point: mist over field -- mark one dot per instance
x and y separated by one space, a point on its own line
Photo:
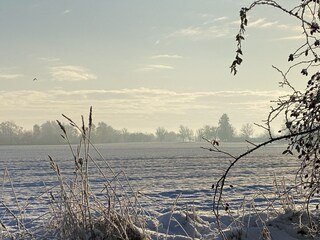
49 133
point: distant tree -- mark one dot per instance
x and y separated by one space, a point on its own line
185 133
161 133
171 137
50 133
36 133
27 138
72 133
225 130
140 137
106 134
246 130
124 135
93 132
10 132
207 132
199 135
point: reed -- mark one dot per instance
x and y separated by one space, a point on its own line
80 212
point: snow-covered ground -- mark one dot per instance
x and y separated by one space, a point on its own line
174 184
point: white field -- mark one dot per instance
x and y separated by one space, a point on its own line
162 173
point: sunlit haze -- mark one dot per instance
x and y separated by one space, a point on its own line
140 64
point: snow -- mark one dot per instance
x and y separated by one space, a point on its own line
174 184
179 225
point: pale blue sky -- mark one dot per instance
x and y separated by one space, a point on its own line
140 64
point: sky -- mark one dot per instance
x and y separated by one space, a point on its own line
140 64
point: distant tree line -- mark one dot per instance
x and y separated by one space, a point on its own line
49 132
224 131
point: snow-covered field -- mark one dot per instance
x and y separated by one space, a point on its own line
167 176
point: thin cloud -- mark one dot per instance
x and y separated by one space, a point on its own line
49 59
66 11
296 37
293 32
10 76
220 19
189 31
202 33
269 24
137 101
264 23
286 28
257 22
212 27
144 107
71 73
210 18
154 67
166 56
